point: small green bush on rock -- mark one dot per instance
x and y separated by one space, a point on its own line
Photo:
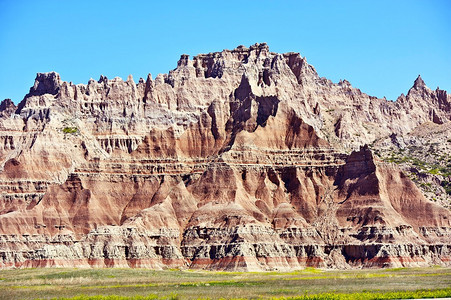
70 130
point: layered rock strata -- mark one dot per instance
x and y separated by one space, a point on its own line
236 160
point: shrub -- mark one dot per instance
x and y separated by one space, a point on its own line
70 130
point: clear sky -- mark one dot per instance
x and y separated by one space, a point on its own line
379 46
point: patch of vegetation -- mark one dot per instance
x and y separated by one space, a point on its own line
434 171
114 297
438 293
372 295
447 186
445 171
71 130
429 166
426 186
141 284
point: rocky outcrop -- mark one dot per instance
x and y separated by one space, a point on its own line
243 159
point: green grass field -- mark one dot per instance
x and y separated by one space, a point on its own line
174 284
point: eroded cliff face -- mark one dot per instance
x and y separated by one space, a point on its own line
236 160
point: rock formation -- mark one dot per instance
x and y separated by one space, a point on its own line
243 159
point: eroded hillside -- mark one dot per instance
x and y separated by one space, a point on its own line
243 159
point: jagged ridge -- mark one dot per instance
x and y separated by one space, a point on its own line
234 160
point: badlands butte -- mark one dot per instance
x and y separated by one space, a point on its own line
243 159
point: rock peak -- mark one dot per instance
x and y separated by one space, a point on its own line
419 83
102 79
259 46
256 46
183 61
46 83
7 106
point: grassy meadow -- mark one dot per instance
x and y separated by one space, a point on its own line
119 284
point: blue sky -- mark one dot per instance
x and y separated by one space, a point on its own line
379 46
